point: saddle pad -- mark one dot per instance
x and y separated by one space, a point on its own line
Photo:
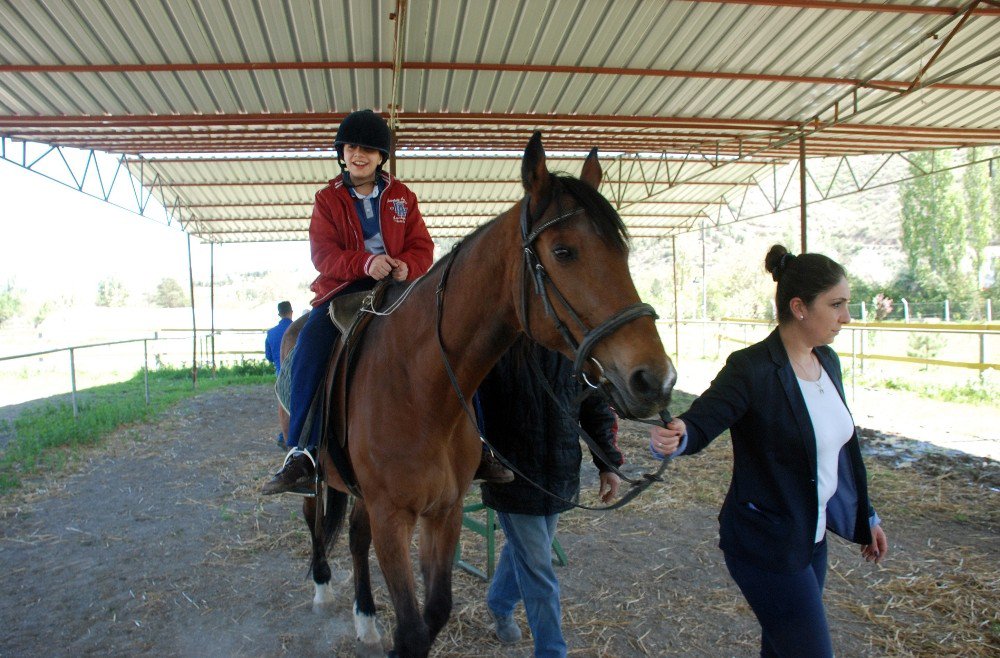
283 385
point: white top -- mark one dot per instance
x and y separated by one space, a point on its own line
374 244
834 427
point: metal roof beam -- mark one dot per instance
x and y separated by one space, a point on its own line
853 6
85 173
80 69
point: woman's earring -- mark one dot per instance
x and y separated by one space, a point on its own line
801 317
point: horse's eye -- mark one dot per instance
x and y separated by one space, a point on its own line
563 254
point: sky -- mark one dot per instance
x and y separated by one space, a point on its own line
56 241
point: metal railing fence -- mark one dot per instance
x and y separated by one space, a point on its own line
169 347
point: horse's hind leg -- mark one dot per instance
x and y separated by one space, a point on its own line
365 623
322 542
437 552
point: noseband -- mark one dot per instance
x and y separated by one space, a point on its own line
534 269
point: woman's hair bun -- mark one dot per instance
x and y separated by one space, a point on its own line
777 260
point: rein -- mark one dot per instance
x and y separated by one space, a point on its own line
581 350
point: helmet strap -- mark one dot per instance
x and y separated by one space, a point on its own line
348 182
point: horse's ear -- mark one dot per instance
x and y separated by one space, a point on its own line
534 174
592 172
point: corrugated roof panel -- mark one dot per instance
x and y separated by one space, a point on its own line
281 106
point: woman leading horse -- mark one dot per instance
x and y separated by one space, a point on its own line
554 267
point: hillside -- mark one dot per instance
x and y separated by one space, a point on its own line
862 230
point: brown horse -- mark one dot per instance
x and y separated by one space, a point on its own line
410 439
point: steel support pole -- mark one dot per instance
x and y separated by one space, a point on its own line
72 379
704 290
677 315
802 192
211 288
194 323
145 368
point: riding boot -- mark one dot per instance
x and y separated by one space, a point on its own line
491 470
297 475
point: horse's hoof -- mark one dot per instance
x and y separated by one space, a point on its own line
362 650
323 597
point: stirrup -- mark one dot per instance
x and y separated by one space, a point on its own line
292 453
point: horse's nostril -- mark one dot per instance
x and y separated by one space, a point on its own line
643 383
649 387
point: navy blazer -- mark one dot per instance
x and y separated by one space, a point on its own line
770 513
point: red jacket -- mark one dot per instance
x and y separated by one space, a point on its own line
338 246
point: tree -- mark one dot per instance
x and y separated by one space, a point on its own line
10 302
41 313
994 170
976 184
934 233
169 294
111 292
882 306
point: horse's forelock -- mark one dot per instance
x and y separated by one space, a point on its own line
603 217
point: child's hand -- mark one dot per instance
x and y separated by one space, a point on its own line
400 270
380 267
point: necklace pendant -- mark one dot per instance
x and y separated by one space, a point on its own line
819 387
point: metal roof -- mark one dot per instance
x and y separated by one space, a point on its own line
689 98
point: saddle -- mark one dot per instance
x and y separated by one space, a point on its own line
344 311
347 314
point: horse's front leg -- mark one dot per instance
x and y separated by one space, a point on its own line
438 538
365 621
392 530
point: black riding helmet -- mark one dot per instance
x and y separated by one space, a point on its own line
363 128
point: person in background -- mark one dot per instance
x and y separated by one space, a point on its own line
541 440
272 342
797 468
272 347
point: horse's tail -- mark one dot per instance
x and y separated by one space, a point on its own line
333 521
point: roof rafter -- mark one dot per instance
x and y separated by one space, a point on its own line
181 67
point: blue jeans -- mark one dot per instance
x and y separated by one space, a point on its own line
312 352
525 573
312 355
789 606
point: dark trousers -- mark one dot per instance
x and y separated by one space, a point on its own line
789 606
312 355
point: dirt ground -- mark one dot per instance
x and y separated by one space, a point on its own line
157 543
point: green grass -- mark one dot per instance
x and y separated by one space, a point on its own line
968 392
46 437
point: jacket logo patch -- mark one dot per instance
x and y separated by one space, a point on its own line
399 208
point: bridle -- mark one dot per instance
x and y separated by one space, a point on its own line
534 269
